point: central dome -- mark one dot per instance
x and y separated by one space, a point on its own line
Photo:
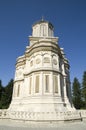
42 28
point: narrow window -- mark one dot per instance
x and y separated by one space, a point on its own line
61 86
43 30
14 91
47 83
30 85
55 84
31 63
18 91
67 90
37 84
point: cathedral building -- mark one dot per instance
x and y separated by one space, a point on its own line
42 78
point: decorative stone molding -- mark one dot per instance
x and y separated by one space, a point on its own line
46 60
43 116
38 61
45 47
31 63
54 61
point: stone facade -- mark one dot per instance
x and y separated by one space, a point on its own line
42 89
42 82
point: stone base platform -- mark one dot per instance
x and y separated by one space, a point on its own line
16 125
43 117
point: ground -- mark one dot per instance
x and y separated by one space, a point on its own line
13 125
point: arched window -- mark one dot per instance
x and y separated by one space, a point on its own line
67 88
54 61
18 90
31 63
37 84
43 30
46 83
55 81
30 85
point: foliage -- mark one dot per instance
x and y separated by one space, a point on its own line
76 95
0 89
6 95
84 89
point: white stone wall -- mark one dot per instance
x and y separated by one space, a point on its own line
41 61
41 77
42 64
42 29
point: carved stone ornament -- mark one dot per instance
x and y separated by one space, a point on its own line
54 61
38 61
46 60
19 73
31 63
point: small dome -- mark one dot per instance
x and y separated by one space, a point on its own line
42 28
43 21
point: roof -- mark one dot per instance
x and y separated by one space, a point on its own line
43 21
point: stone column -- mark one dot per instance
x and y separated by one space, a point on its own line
65 91
14 91
52 88
59 85
33 85
41 84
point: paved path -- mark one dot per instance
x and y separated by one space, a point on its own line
8 125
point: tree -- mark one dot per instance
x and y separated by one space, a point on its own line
76 95
1 93
0 89
7 95
84 88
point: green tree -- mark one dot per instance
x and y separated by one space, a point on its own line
7 95
84 89
76 95
0 89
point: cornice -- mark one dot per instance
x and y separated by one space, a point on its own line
36 39
43 70
16 80
41 46
20 63
43 21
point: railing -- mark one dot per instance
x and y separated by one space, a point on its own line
4 114
43 116
82 114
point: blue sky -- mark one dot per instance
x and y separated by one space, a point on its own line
17 18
